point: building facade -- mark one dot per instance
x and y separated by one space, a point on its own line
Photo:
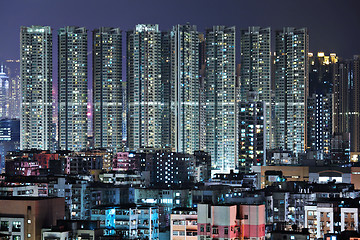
184 89
130 221
183 224
231 222
36 87
291 88
319 128
5 94
24 217
346 102
107 88
255 74
251 127
12 70
221 134
144 101
72 87
9 138
320 104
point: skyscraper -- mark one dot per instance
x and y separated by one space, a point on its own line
36 87
107 88
340 141
9 138
202 93
346 115
319 104
12 69
144 98
256 71
291 88
184 88
166 63
220 98
251 132
73 89
354 103
5 94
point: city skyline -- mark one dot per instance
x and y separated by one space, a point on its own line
169 120
156 64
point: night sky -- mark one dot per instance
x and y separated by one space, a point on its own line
334 25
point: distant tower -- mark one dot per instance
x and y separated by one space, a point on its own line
256 71
291 88
5 95
36 87
144 100
221 133
320 104
346 115
73 89
12 70
107 88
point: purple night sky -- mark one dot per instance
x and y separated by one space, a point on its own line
334 25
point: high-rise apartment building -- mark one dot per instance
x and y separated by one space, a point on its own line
144 98
202 95
107 88
166 88
256 70
12 70
354 104
221 132
346 115
251 124
9 138
319 124
184 90
319 104
4 94
36 87
291 88
340 101
73 89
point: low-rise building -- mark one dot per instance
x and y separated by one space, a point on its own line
130 221
289 173
325 218
231 222
24 217
183 224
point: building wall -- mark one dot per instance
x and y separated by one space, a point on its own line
291 88
220 79
184 89
230 222
292 173
253 221
144 116
256 71
73 88
36 87
251 130
107 88
319 221
183 226
355 177
37 212
349 219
